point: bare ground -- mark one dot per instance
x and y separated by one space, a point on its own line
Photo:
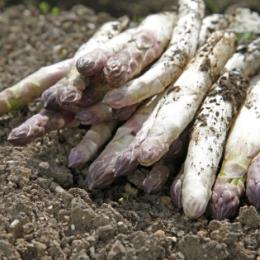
45 213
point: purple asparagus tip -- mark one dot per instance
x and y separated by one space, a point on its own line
126 163
20 135
175 192
224 201
86 117
92 63
156 178
253 192
100 175
76 159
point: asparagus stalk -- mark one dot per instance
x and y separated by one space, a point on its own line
167 69
253 182
242 146
207 141
40 124
69 89
101 112
90 144
211 128
180 102
32 86
148 43
101 172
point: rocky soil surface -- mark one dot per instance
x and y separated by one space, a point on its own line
45 213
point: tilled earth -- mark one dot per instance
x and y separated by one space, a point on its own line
45 213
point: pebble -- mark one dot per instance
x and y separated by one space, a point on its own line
249 216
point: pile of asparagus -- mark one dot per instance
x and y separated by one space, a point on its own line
176 88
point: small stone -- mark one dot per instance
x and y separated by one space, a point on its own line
214 224
249 216
16 228
117 251
160 234
44 165
166 201
106 232
28 228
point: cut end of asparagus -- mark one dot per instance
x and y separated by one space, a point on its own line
76 159
126 163
224 201
194 203
91 64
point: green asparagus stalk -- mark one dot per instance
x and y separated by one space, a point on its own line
90 144
167 69
253 182
151 38
40 124
101 172
69 89
180 102
242 146
31 87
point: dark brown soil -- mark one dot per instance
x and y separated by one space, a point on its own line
44 212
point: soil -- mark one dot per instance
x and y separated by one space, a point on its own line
45 212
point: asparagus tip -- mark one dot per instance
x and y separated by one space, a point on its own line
76 159
253 193
194 204
175 193
224 201
19 135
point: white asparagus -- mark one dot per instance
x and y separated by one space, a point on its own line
180 102
101 172
162 24
176 189
211 128
167 69
90 144
242 146
208 139
69 89
149 41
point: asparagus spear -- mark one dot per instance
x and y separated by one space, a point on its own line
32 86
93 62
101 112
90 144
101 172
253 182
180 102
242 146
69 89
208 139
148 43
40 124
167 69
